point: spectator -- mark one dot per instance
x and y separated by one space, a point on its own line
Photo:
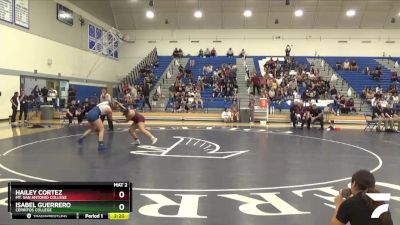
14 106
23 109
105 97
377 75
213 52
226 115
235 112
388 114
201 53
346 65
316 114
394 77
353 66
180 53
71 93
52 94
297 114
367 70
197 99
378 117
333 92
349 106
229 53
242 54
72 111
255 81
357 209
146 95
396 64
44 91
339 65
252 104
287 50
175 53
207 53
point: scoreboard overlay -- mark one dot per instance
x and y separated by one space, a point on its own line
70 200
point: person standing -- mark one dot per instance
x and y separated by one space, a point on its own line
15 102
105 97
146 95
23 109
95 123
252 104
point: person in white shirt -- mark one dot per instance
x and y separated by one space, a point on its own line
105 97
52 96
229 53
396 64
226 115
346 65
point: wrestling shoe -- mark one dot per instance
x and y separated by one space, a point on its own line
80 140
102 147
135 142
154 140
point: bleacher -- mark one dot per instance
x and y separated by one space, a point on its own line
298 59
357 79
158 71
208 101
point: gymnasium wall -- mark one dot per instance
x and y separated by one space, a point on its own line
266 42
23 51
8 85
43 22
48 39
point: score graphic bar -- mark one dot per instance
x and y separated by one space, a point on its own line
70 200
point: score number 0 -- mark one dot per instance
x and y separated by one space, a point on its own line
121 195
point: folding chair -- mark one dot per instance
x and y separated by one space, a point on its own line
370 124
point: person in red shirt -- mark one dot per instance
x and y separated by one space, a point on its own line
255 81
213 52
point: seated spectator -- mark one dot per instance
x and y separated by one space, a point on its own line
229 53
357 209
378 67
297 114
197 100
390 117
349 106
213 52
235 112
353 66
367 70
346 65
207 52
73 111
316 114
394 77
339 65
376 75
333 92
242 54
341 104
378 117
226 115
201 53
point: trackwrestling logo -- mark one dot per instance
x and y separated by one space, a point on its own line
188 147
